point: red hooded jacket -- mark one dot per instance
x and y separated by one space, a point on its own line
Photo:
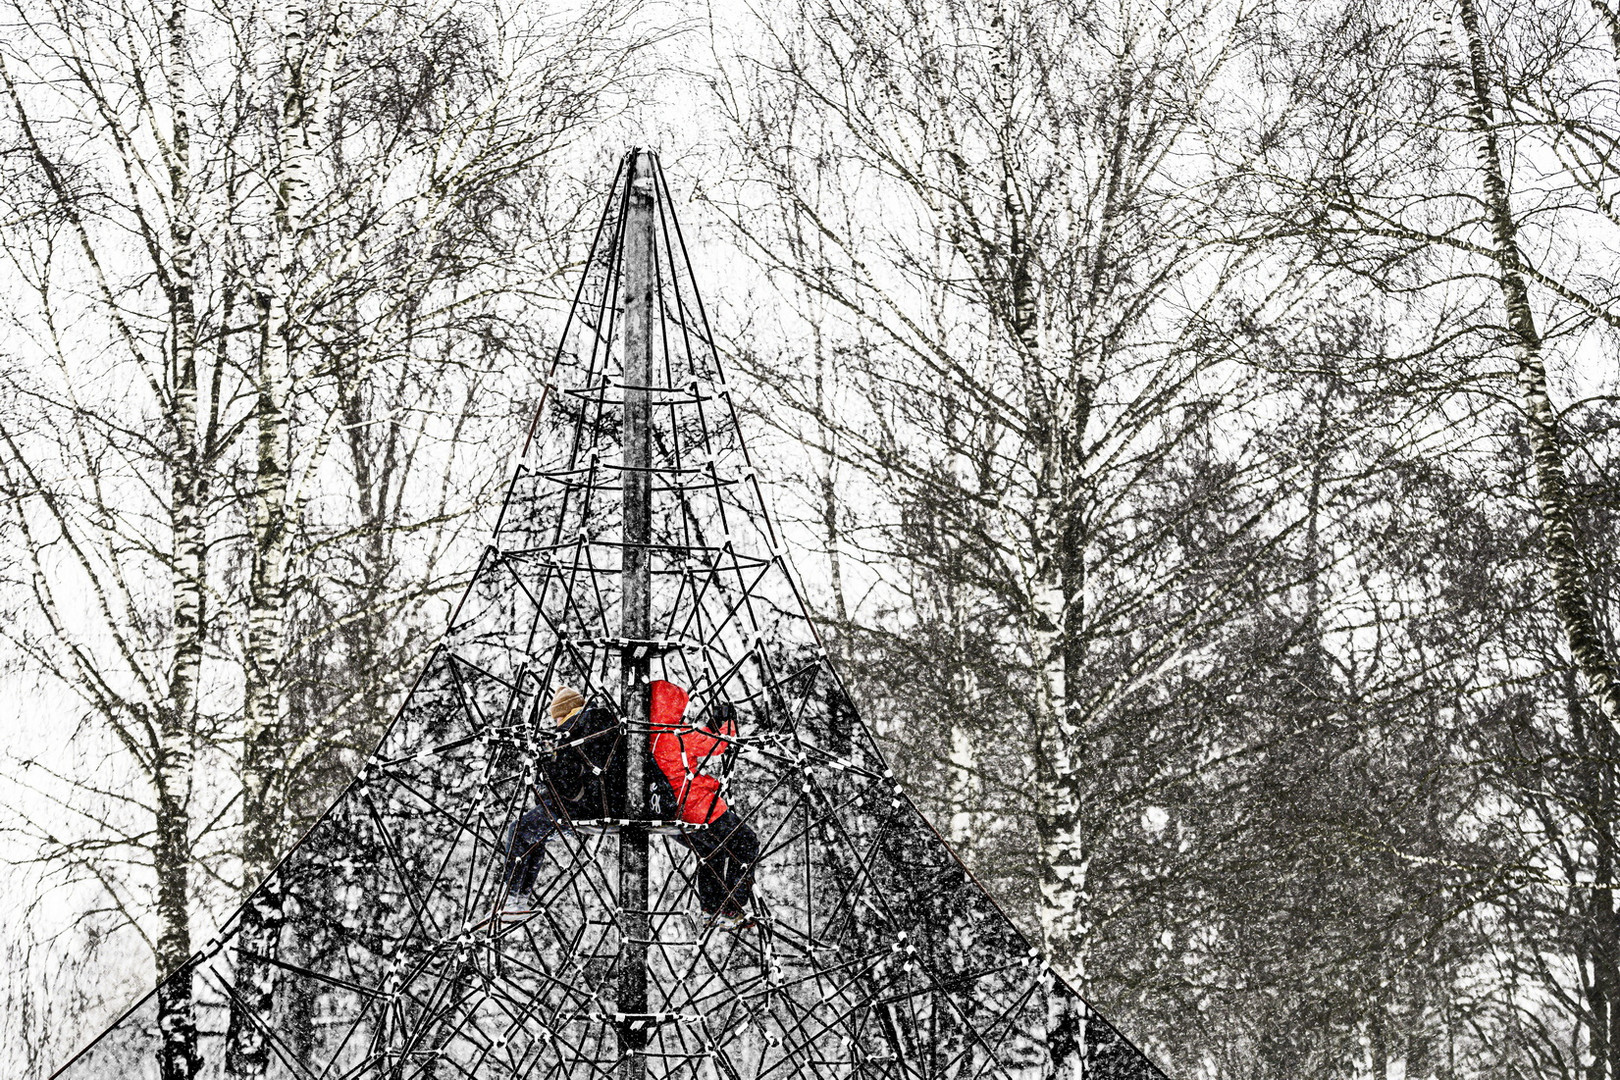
682 752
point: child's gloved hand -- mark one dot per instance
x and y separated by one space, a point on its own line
723 718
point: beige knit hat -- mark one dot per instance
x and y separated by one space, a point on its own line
566 703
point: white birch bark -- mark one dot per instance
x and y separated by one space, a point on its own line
264 753
1063 857
1565 561
161 731
173 855
157 347
1566 576
963 792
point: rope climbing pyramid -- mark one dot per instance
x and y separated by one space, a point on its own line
627 823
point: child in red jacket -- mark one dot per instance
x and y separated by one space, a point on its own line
726 847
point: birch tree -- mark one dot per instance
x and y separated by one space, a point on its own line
1568 567
1461 160
126 489
1035 323
199 322
1567 578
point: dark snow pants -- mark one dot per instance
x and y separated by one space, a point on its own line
526 847
727 850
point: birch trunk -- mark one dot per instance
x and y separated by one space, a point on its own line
372 482
1060 616
1605 981
1565 572
1064 862
963 793
175 756
842 712
1058 656
1599 923
1564 559
968 718
264 751
1610 17
161 729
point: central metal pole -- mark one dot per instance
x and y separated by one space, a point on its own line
637 282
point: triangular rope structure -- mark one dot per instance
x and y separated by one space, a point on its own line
820 928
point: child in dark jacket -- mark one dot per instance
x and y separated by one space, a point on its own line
726 847
576 782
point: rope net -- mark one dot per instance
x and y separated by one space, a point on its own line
842 939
